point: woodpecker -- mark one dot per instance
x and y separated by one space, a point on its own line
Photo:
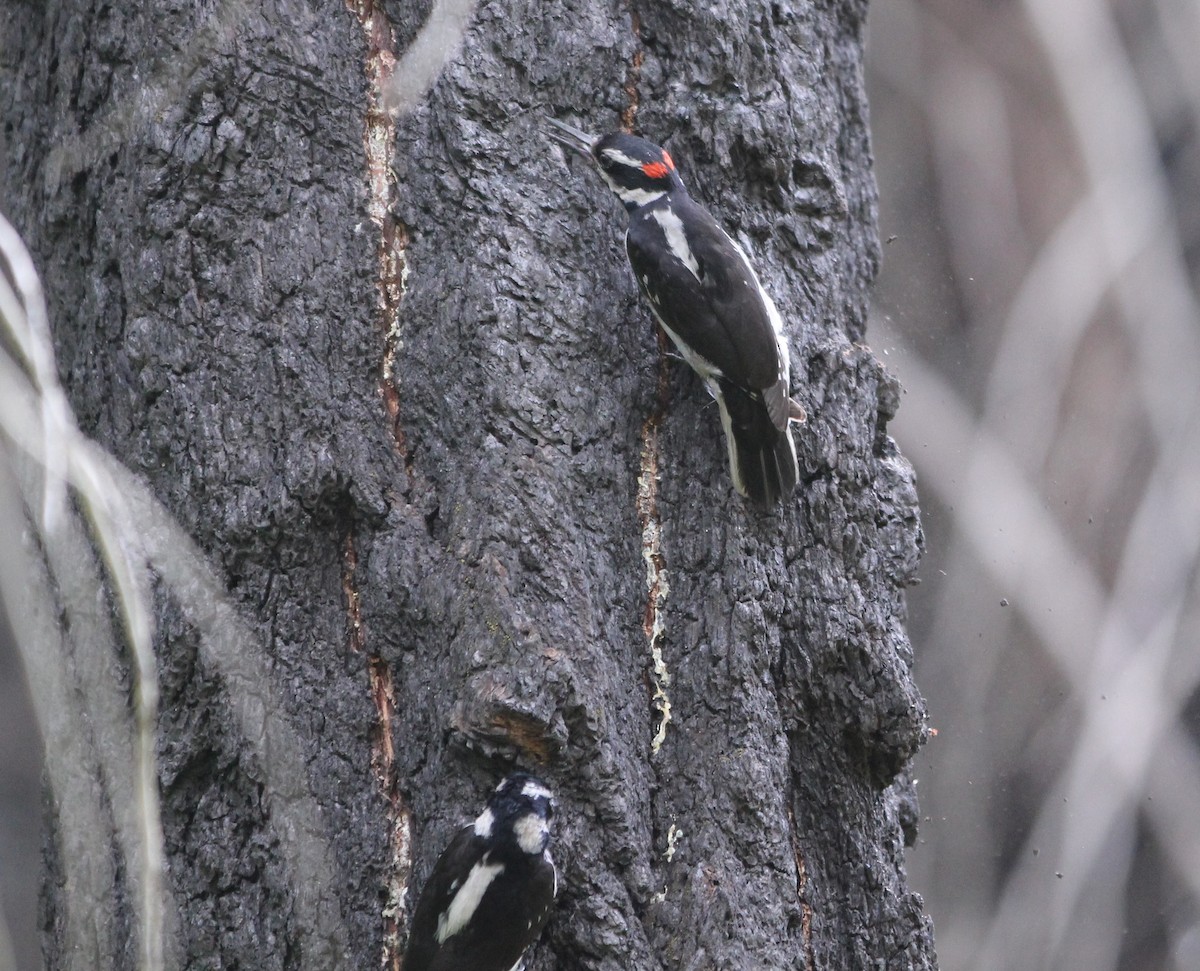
706 295
491 889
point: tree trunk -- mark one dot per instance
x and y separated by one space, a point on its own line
378 350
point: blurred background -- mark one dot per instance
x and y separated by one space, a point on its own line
1038 172
1037 166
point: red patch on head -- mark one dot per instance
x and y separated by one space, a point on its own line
656 170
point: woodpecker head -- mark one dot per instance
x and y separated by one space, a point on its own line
517 816
638 171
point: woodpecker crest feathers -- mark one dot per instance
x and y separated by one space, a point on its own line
491 890
707 297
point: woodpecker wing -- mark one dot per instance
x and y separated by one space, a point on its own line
706 294
463 852
482 907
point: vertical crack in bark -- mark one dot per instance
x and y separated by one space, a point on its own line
379 146
379 140
383 761
653 624
383 767
802 893
354 631
633 75
393 277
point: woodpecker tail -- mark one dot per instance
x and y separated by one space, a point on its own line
762 457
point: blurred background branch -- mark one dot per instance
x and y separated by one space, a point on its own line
1038 303
87 536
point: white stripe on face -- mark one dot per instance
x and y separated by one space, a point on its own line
483 824
615 155
633 197
535 790
677 243
462 908
639 197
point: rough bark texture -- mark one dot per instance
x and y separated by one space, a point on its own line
448 473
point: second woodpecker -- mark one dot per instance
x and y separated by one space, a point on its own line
707 297
492 888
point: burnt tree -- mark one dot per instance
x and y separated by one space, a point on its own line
374 343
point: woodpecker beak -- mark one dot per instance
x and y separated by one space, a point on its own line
571 137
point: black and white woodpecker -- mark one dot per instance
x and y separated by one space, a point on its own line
707 297
491 889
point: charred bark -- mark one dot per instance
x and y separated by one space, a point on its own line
391 372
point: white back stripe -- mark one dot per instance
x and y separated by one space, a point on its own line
677 243
462 908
